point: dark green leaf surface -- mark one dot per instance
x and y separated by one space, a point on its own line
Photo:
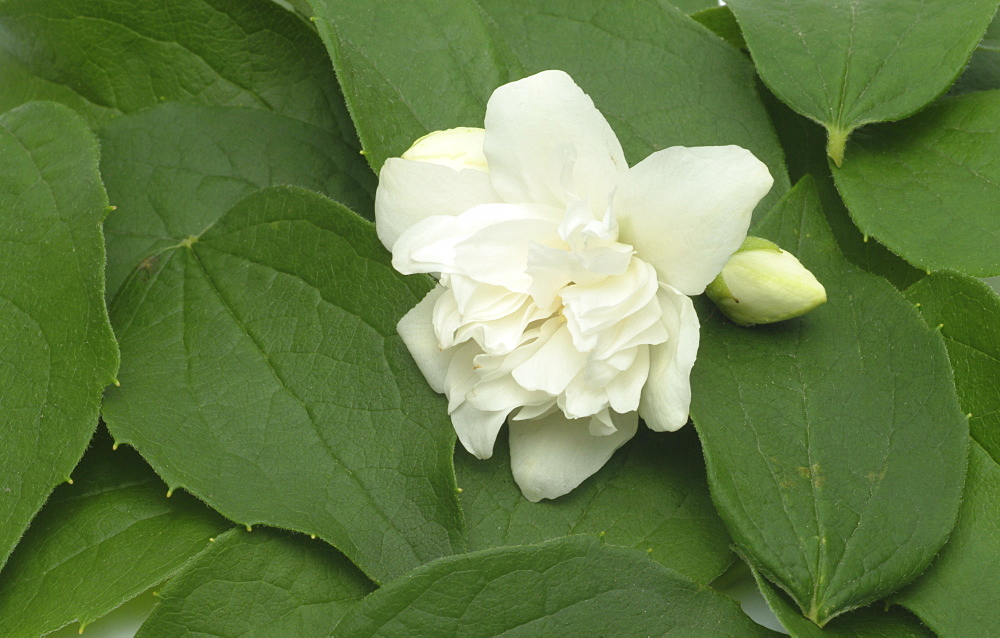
263 372
567 587
983 72
409 68
174 169
118 57
260 583
652 495
646 67
57 351
106 538
868 622
958 595
722 22
844 64
834 443
932 176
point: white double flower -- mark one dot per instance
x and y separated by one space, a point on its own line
562 304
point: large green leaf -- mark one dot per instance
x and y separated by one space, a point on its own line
174 169
263 372
109 57
566 587
260 583
845 64
929 187
958 596
834 443
58 351
106 538
983 72
659 55
651 495
868 622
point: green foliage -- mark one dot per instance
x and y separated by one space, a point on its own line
260 583
651 496
108 537
57 349
845 64
263 352
834 443
570 586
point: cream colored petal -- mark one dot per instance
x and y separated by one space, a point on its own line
417 331
666 397
686 210
552 455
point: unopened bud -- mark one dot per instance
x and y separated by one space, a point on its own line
457 148
762 283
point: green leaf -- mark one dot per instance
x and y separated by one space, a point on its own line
834 443
928 188
378 45
120 57
804 143
721 21
57 345
264 583
983 71
567 587
955 596
651 496
868 622
660 55
845 64
646 66
263 373
174 169
105 539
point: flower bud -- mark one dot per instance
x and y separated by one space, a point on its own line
762 283
458 148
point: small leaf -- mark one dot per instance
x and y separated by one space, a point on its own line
983 71
834 443
929 187
99 542
172 170
263 373
957 596
845 64
651 496
566 587
57 345
260 583
868 622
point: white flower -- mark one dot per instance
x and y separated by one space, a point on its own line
563 305
762 283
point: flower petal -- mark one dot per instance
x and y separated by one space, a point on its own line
477 429
551 455
544 136
666 397
417 331
687 210
409 191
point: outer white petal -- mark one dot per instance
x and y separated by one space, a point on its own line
477 429
687 210
409 191
540 128
666 397
551 455
417 330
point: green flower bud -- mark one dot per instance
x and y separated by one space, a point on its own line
458 148
762 283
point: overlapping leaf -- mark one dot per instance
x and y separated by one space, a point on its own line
643 62
263 372
937 176
834 443
263 583
957 596
57 348
845 64
571 587
651 496
106 538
